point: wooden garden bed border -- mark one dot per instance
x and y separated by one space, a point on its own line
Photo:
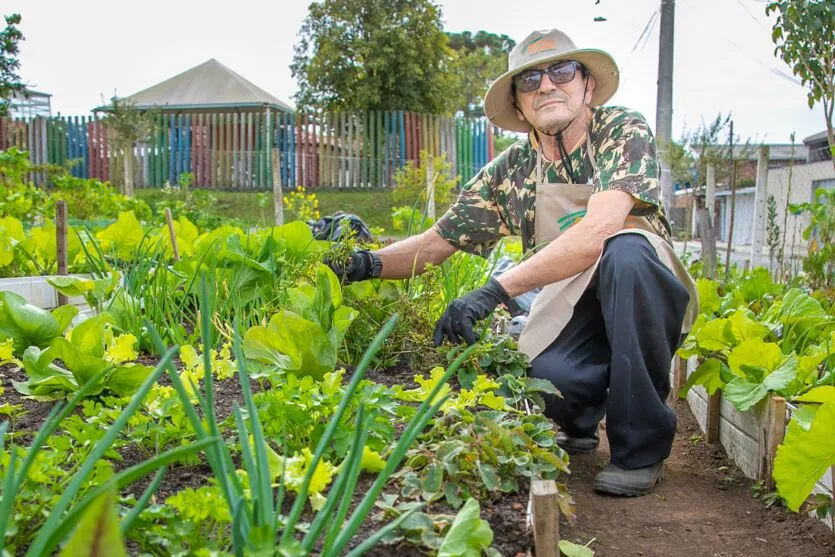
750 438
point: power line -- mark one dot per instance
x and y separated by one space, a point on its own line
757 21
644 33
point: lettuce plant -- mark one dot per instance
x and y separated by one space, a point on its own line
27 325
305 338
90 352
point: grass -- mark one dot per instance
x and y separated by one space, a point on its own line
372 205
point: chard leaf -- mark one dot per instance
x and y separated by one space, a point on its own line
755 353
468 535
709 299
805 456
820 395
713 336
71 286
746 328
708 374
805 414
744 394
98 531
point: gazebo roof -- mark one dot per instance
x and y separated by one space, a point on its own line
208 86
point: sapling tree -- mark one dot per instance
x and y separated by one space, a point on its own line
10 82
803 34
127 126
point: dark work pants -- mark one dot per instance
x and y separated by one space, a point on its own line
613 357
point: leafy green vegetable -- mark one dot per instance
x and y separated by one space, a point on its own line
468 535
27 325
306 340
89 351
805 456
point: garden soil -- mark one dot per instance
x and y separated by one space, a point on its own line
704 507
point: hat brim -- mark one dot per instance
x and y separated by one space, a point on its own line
498 105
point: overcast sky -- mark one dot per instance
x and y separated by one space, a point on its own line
84 50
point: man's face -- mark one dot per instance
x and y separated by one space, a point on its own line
552 107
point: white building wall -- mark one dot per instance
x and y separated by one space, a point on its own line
802 182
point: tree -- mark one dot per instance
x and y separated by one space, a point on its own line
803 34
127 126
374 55
10 82
478 59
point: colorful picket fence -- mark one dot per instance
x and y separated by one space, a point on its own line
234 150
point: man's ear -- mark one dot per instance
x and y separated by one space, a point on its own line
520 115
589 89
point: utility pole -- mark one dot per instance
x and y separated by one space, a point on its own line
664 99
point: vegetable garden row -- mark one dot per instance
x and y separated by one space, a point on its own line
240 399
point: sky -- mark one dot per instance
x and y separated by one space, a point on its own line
84 51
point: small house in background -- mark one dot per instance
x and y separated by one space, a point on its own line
779 155
33 103
818 146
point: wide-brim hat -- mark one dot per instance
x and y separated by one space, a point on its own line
537 48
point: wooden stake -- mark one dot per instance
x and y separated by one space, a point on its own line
171 234
679 374
430 187
772 432
714 403
546 518
61 243
278 199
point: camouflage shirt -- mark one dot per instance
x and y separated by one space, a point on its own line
500 200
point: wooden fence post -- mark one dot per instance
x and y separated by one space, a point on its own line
714 403
772 432
278 200
546 518
61 243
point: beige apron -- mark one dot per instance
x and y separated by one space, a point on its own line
558 206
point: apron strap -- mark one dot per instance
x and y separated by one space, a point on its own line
589 148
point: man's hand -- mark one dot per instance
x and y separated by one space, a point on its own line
462 313
361 265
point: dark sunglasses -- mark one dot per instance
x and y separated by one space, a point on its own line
559 73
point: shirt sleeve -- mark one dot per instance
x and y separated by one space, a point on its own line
626 159
474 222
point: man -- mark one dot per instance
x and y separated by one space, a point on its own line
582 192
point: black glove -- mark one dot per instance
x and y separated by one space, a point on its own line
361 265
462 313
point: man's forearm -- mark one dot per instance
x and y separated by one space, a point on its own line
409 257
573 252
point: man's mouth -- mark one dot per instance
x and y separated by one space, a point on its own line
549 102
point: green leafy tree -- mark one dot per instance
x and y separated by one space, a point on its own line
478 59
803 34
10 82
374 55
127 126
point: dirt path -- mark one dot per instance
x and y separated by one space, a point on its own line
703 508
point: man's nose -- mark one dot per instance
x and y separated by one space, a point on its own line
546 85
